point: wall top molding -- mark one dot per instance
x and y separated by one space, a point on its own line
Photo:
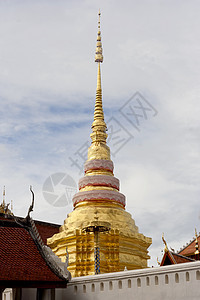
136 273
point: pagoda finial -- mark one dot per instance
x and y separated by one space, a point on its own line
99 56
98 149
98 112
99 126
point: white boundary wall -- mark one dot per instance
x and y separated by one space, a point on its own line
173 282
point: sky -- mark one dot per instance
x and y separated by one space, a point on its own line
47 94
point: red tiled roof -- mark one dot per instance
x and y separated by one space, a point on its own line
45 229
190 249
22 258
181 259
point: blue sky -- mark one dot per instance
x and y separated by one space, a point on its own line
47 94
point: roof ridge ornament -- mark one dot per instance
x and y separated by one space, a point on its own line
165 243
4 195
158 262
3 206
27 219
32 204
196 243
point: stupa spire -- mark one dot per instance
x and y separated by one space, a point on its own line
99 127
98 111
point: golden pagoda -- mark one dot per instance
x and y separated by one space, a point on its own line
99 236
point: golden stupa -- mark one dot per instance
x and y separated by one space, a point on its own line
99 236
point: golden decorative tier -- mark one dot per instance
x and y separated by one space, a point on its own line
122 246
99 235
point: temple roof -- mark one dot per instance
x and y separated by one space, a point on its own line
171 258
188 254
45 229
24 259
190 249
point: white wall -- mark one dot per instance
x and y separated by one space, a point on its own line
163 283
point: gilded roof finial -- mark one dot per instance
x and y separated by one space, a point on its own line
32 204
3 206
4 195
196 243
158 262
166 248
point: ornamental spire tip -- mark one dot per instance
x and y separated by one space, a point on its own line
98 149
99 50
98 112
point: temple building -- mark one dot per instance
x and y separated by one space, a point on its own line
188 253
29 268
100 236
